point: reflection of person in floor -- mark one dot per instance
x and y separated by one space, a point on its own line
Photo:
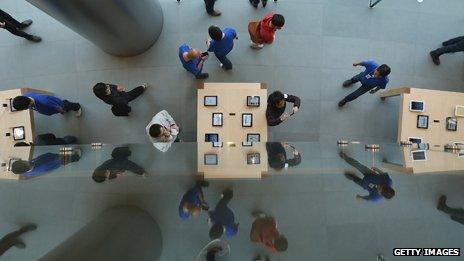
456 214
222 218
264 231
277 156
42 164
12 239
193 201
116 166
375 181
214 249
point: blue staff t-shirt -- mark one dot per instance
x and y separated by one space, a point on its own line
191 65
193 197
367 77
45 104
370 182
43 164
225 45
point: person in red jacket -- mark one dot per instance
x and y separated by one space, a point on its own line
263 32
264 231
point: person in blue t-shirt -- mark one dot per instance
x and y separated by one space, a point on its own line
221 43
222 218
193 201
192 60
372 79
45 104
375 181
42 164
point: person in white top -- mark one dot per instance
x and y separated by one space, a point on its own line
162 130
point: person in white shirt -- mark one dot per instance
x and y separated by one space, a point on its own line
162 130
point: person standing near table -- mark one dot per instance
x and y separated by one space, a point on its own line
276 104
117 97
192 61
162 131
373 78
263 32
15 27
221 43
45 104
451 46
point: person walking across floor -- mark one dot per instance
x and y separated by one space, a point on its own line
117 97
222 218
13 238
264 231
45 104
373 78
117 166
276 104
263 31
456 214
209 5
15 27
193 201
192 61
451 46
221 43
162 131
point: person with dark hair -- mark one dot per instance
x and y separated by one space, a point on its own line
221 43
456 214
209 5
116 166
277 156
255 3
263 31
45 104
117 97
264 231
276 104
373 78
15 27
215 248
162 131
12 239
375 181
43 164
192 61
193 201
451 46
222 218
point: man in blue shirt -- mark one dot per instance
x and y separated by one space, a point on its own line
41 165
193 61
221 43
373 78
45 104
375 181
222 218
193 201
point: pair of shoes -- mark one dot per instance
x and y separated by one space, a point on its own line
79 112
254 3
435 59
256 46
341 103
202 76
144 85
264 2
347 83
26 23
441 202
215 13
35 38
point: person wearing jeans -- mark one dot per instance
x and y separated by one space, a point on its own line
15 27
117 97
45 104
221 43
451 46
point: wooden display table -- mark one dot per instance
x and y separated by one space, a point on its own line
438 106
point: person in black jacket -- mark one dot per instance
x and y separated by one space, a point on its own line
276 103
13 238
456 214
277 156
15 27
116 166
117 97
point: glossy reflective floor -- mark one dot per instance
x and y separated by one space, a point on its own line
312 200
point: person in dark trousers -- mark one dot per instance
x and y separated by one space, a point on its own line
221 43
13 238
193 201
116 166
117 97
372 79
43 164
222 218
276 103
209 4
451 46
255 3
45 104
15 27
456 214
375 181
277 156
192 61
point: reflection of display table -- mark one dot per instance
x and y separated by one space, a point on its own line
232 103
438 106
11 119
233 160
